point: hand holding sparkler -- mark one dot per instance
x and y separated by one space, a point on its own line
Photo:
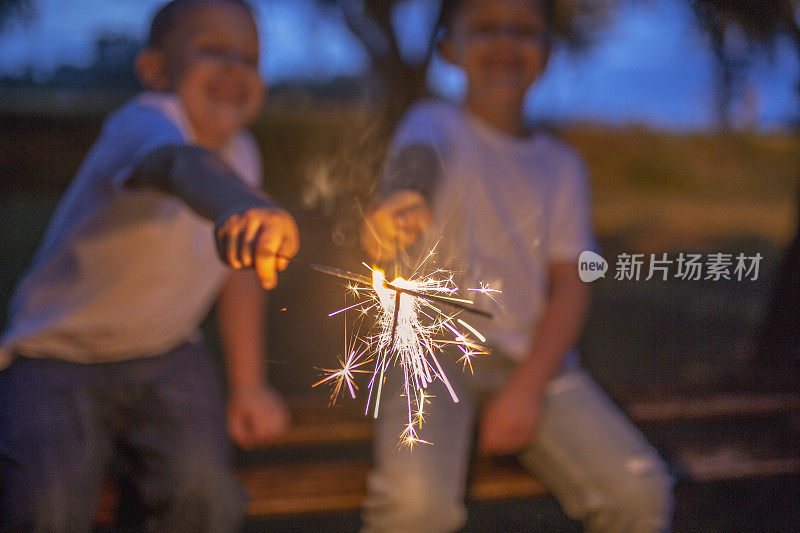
263 238
394 224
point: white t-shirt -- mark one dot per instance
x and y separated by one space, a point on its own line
122 273
505 208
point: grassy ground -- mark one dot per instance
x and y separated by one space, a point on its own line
653 192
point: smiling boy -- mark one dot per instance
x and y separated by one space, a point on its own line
509 207
103 360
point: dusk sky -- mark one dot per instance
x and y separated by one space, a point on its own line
650 66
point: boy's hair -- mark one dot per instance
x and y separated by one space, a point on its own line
169 15
451 8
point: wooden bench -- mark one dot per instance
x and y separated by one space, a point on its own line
715 406
315 422
726 437
341 485
320 484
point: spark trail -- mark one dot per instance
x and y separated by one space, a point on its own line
411 322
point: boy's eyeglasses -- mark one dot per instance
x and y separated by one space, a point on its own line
525 33
227 56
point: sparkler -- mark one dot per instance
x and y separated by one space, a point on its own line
350 366
410 329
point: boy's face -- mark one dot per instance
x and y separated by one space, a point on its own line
210 60
502 45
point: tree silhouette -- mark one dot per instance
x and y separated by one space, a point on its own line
402 75
11 10
736 28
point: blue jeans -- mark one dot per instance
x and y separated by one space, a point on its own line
596 463
160 418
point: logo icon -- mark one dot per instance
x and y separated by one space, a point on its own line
591 266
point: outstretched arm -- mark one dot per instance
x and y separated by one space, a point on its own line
251 230
401 212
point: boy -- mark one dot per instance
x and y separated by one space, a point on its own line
512 210
102 354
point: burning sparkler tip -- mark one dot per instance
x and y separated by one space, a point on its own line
411 328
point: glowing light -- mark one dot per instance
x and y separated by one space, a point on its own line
486 290
410 329
473 330
346 375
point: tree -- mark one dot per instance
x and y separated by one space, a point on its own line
763 24
737 28
11 10
402 73
732 61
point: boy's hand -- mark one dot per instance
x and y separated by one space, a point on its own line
256 416
510 420
394 224
264 238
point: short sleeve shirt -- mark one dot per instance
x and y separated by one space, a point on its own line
122 273
505 209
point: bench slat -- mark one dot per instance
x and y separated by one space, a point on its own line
724 405
316 423
341 486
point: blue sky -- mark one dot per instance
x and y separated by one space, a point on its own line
649 66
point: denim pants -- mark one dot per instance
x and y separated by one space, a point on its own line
161 419
596 463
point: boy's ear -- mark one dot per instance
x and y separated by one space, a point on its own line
151 69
